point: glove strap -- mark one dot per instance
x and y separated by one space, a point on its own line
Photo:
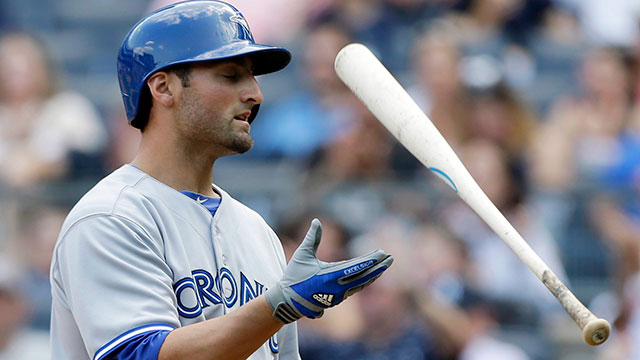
281 310
285 313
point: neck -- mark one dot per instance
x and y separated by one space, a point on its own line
173 165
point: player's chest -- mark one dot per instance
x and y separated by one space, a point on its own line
217 269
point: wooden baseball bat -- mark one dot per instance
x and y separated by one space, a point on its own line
374 85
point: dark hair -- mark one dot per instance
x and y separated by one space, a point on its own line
183 71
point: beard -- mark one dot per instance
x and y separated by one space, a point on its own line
202 125
240 144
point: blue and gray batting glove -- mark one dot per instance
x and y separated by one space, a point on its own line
309 285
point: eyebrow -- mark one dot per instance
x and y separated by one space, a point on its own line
242 61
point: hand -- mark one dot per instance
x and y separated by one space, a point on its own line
309 285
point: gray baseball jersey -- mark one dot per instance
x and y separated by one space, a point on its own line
136 256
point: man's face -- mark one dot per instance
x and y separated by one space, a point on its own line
213 111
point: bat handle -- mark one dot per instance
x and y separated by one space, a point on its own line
595 331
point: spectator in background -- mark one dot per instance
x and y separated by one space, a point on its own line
301 124
620 230
360 17
441 261
581 138
345 175
397 334
363 153
557 47
492 52
482 318
435 316
334 238
498 115
43 130
607 23
481 26
587 145
624 343
437 284
436 83
123 140
635 55
38 228
388 27
16 341
465 324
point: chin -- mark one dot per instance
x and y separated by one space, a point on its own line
241 145
243 150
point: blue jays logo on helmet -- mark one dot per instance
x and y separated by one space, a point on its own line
189 31
238 18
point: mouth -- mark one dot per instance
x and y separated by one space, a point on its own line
243 116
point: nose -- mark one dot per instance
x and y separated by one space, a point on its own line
252 92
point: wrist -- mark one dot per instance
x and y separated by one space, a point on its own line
281 310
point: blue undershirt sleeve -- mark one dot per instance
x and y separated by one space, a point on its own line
134 345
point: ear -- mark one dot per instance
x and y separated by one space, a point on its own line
161 88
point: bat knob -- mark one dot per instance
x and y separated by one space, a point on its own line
596 332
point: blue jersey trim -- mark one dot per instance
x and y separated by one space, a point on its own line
211 203
136 335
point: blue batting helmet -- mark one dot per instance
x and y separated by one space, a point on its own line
185 32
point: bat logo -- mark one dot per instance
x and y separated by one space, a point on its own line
441 174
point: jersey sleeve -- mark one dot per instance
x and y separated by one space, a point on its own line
115 281
137 346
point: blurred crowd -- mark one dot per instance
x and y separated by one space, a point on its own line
539 98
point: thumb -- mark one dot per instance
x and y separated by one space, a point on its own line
312 239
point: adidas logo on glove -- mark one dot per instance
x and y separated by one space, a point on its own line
324 299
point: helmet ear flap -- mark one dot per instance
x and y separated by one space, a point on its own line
144 108
254 112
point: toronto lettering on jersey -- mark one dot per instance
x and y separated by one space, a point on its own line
201 290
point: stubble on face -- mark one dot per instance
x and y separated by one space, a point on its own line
206 127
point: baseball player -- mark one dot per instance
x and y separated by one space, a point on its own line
155 262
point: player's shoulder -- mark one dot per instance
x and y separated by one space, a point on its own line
118 194
106 193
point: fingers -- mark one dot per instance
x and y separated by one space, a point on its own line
355 289
312 239
366 277
356 268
